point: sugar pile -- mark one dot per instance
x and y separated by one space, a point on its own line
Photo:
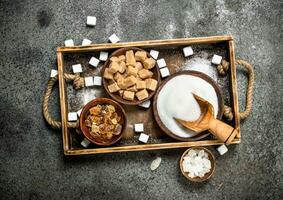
175 100
196 163
201 65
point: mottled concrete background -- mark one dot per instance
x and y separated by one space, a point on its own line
32 165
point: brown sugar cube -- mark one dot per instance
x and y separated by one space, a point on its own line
132 71
122 67
113 88
151 84
118 76
114 67
133 88
149 63
122 58
143 94
141 85
140 55
121 83
144 73
128 95
114 59
130 58
107 74
138 66
130 81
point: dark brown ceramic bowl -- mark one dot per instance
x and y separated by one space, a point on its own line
197 74
116 96
98 140
207 175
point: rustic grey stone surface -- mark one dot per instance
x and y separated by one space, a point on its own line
32 165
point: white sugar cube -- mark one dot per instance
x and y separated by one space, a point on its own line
161 63
79 112
216 59
113 38
97 80
91 20
77 68
88 81
154 54
138 127
72 116
103 55
164 72
69 43
222 149
145 104
93 61
143 138
188 51
53 73
85 143
86 42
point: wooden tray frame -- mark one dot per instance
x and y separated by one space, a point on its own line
151 43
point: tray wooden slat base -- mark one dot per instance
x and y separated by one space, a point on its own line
160 142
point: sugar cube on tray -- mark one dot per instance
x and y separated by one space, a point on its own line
164 72
97 80
88 81
69 43
145 104
53 73
114 38
161 63
188 51
138 127
77 68
85 143
86 42
143 138
216 59
91 20
72 116
154 54
103 55
93 61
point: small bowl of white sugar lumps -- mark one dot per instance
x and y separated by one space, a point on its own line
197 164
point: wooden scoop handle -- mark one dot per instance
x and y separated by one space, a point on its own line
221 130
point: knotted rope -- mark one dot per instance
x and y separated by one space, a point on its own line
78 82
222 69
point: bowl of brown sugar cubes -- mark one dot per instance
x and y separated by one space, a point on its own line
130 76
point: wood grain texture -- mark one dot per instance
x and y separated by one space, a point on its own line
233 80
147 147
68 150
148 43
63 103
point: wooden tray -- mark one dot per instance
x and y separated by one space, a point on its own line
171 51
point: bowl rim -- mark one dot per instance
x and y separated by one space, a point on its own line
203 76
115 96
209 174
92 103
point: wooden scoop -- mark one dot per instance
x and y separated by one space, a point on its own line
207 121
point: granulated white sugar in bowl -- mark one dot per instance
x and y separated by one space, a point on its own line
175 100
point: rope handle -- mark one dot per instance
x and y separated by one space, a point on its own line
222 69
78 82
